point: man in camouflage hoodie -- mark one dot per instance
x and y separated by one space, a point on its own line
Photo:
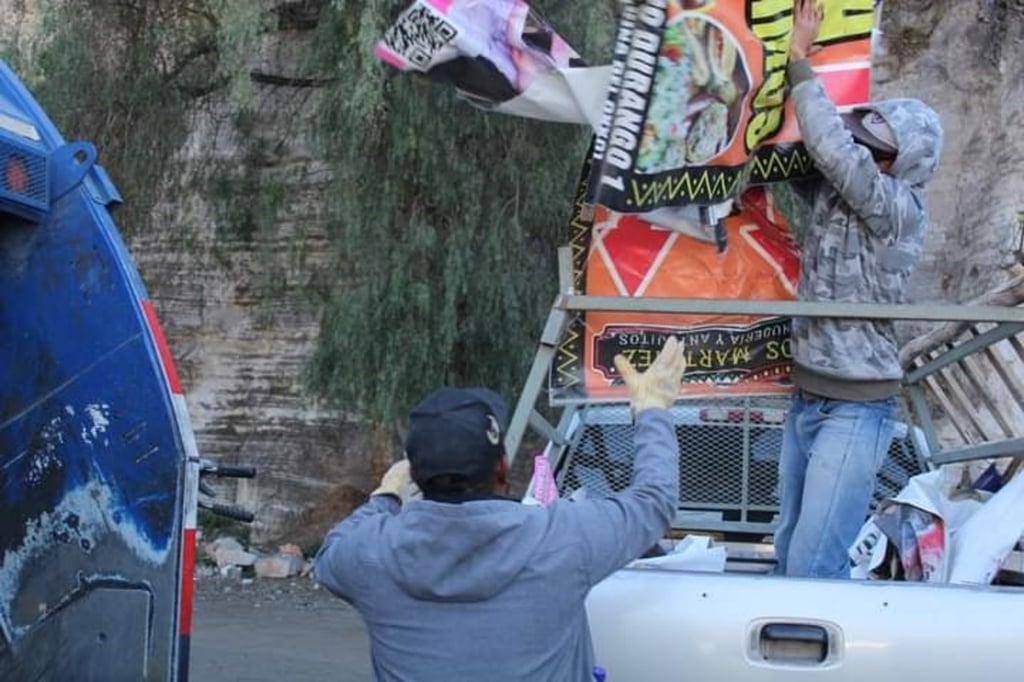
867 224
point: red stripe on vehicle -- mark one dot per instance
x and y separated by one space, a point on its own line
188 562
848 87
161 344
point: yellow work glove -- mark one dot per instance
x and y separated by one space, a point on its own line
659 385
398 481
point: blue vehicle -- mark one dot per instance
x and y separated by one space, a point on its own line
99 472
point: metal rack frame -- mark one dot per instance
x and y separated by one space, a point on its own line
1008 321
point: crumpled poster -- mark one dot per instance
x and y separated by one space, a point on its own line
500 55
919 539
935 532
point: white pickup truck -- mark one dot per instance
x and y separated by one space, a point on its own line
657 625
745 624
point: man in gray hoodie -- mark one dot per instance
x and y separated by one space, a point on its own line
867 225
464 584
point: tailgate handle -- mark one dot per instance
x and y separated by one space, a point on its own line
794 643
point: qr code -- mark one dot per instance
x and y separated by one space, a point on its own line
418 35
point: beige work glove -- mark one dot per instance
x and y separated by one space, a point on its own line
659 385
398 481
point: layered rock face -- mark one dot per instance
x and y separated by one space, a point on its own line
236 292
963 59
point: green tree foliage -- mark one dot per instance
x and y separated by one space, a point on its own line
126 74
446 220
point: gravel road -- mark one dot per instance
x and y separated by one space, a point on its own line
275 631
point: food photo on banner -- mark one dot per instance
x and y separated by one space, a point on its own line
696 107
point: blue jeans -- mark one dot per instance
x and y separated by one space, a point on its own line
831 453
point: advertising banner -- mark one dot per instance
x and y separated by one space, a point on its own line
616 254
697 108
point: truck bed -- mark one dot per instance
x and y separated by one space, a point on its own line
746 624
656 625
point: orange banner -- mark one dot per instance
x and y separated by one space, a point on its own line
621 255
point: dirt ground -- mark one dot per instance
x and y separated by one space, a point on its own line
275 631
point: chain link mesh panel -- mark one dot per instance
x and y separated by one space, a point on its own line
729 453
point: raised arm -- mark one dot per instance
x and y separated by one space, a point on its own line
617 529
334 565
884 203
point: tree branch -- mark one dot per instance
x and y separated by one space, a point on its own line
289 81
1010 293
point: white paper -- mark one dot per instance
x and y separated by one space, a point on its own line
978 535
982 542
573 95
692 553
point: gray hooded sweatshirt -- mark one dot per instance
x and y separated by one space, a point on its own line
492 589
865 236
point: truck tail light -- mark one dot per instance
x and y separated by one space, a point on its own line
24 178
16 174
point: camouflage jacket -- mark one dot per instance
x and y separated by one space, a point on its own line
866 230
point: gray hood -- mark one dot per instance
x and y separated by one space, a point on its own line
918 132
460 552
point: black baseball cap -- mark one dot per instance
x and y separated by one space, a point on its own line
456 432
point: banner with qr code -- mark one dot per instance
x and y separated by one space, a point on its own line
691 111
498 54
697 107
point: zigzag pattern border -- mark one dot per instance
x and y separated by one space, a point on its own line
776 164
696 185
568 363
567 366
709 184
